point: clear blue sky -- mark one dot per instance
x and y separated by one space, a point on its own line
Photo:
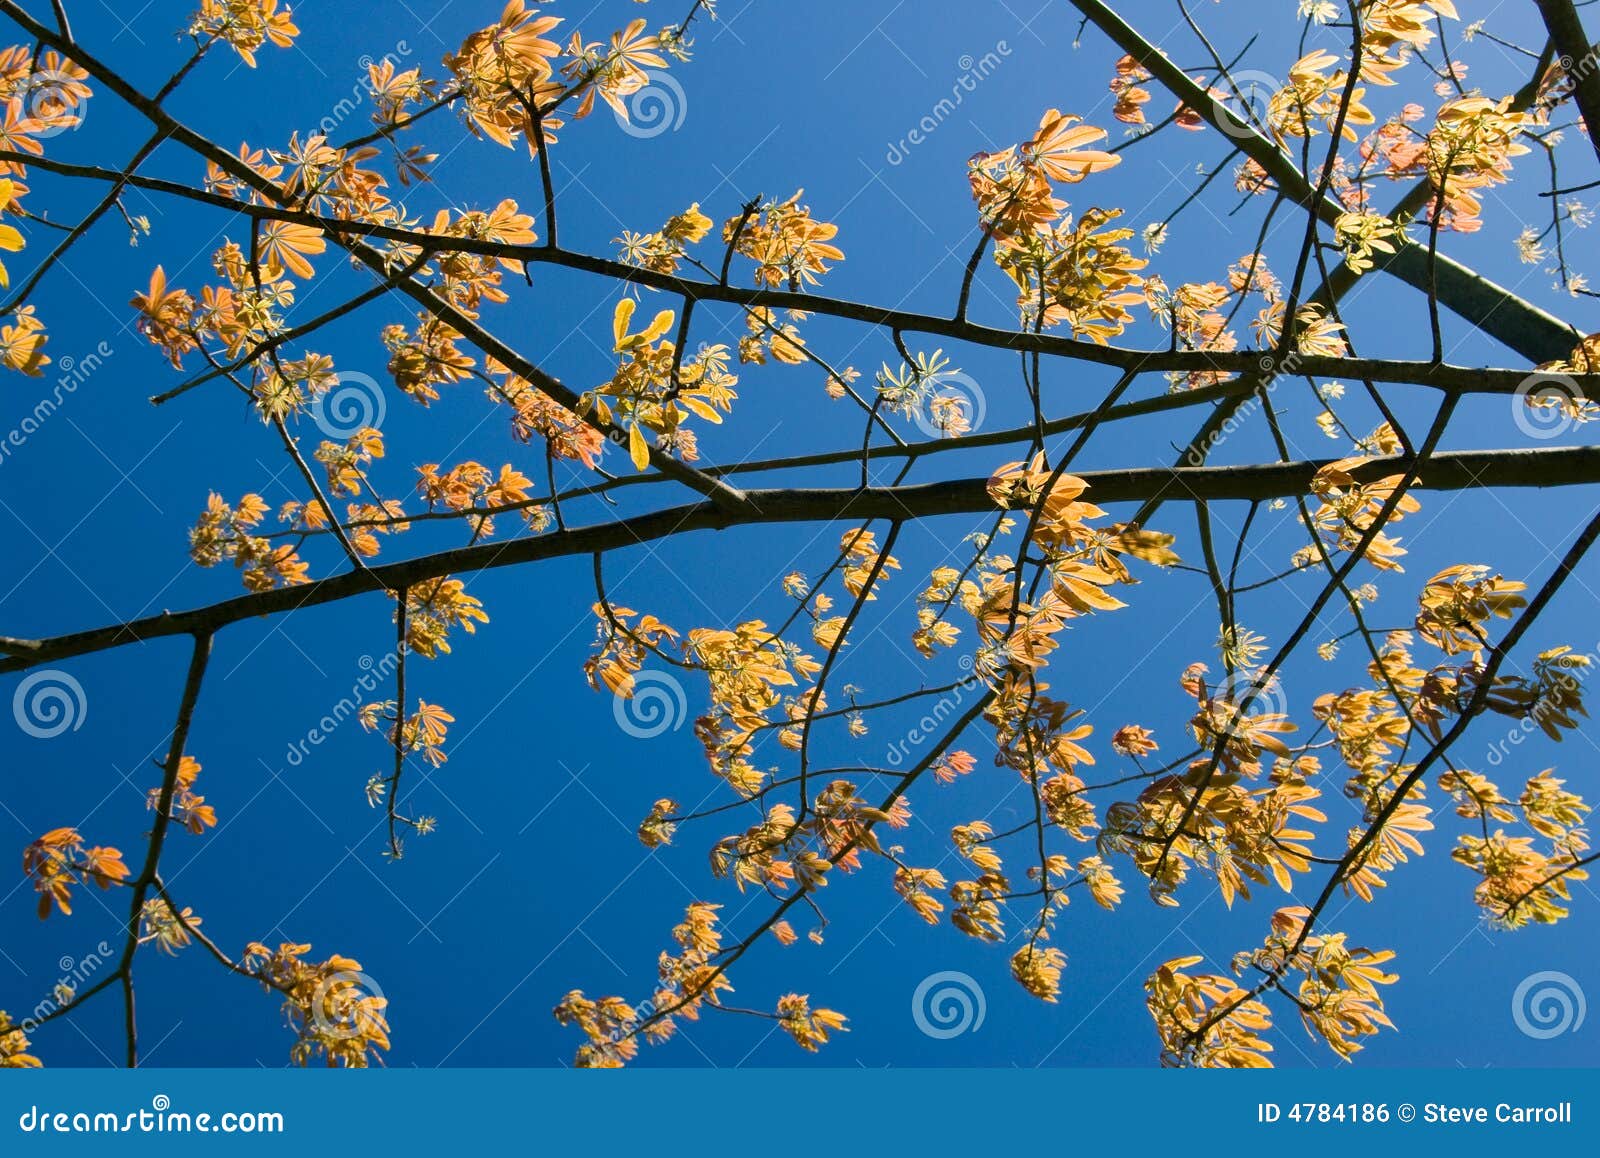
535 883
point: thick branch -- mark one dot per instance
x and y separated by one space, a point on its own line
1458 471
1578 60
1520 325
1442 377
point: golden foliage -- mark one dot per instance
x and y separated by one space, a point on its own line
60 860
1240 805
14 1046
326 1004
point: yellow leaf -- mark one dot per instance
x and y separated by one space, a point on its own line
619 320
700 408
658 326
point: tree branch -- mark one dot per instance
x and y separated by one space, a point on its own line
1578 60
1518 324
1461 470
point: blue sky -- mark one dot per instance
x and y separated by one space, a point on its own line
535 883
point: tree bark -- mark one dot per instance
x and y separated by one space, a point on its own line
1460 470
